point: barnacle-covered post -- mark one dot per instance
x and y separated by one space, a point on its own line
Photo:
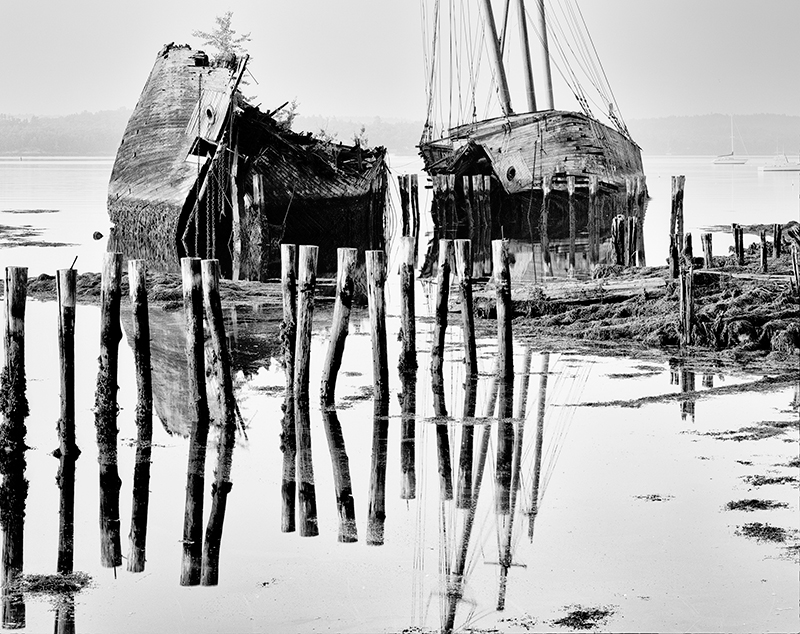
14 410
105 410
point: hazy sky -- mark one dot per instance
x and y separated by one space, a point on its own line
364 57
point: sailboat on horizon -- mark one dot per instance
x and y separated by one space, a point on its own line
731 158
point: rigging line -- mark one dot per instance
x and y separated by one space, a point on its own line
602 69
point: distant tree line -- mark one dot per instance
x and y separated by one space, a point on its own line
99 133
84 134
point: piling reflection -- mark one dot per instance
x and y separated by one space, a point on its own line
376 512
684 377
65 615
408 433
465 461
343 487
442 436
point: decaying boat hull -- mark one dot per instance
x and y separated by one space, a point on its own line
535 169
202 173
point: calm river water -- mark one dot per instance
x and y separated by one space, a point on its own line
631 504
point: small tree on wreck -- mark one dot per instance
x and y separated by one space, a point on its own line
223 38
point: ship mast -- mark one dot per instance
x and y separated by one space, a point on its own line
497 59
526 56
548 96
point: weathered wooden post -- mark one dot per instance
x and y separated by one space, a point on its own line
414 193
641 203
14 410
137 283
345 504
593 224
796 268
777 240
68 451
345 286
198 433
618 225
686 305
547 185
105 412
306 491
403 184
408 331
708 252
764 258
676 224
288 342
442 294
572 223
740 244
688 250
222 473
463 253
376 512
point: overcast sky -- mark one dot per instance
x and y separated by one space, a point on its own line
364 57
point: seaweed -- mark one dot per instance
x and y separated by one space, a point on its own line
754 505
763 532
581 618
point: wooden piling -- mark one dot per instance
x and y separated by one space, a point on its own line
415 219
796 268
740 245
676 223
306 491
442 295
376 511
67 451
463 251
593 224
686 305
408 331
345 285
573 227
777 240
14 411
547 185
688 250
144 415
764 257
191 564
708 253
106 410
288 342
403 184
618 226
222 473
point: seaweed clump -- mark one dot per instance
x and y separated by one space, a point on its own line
763 532
754 505
580 618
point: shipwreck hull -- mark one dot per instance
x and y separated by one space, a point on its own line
550 182
201 173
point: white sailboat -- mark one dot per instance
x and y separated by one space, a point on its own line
731 158
781 163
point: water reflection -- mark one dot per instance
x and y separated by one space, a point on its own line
684 377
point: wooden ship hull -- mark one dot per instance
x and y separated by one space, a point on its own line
202 173
552 182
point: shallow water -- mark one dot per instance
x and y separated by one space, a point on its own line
631 506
